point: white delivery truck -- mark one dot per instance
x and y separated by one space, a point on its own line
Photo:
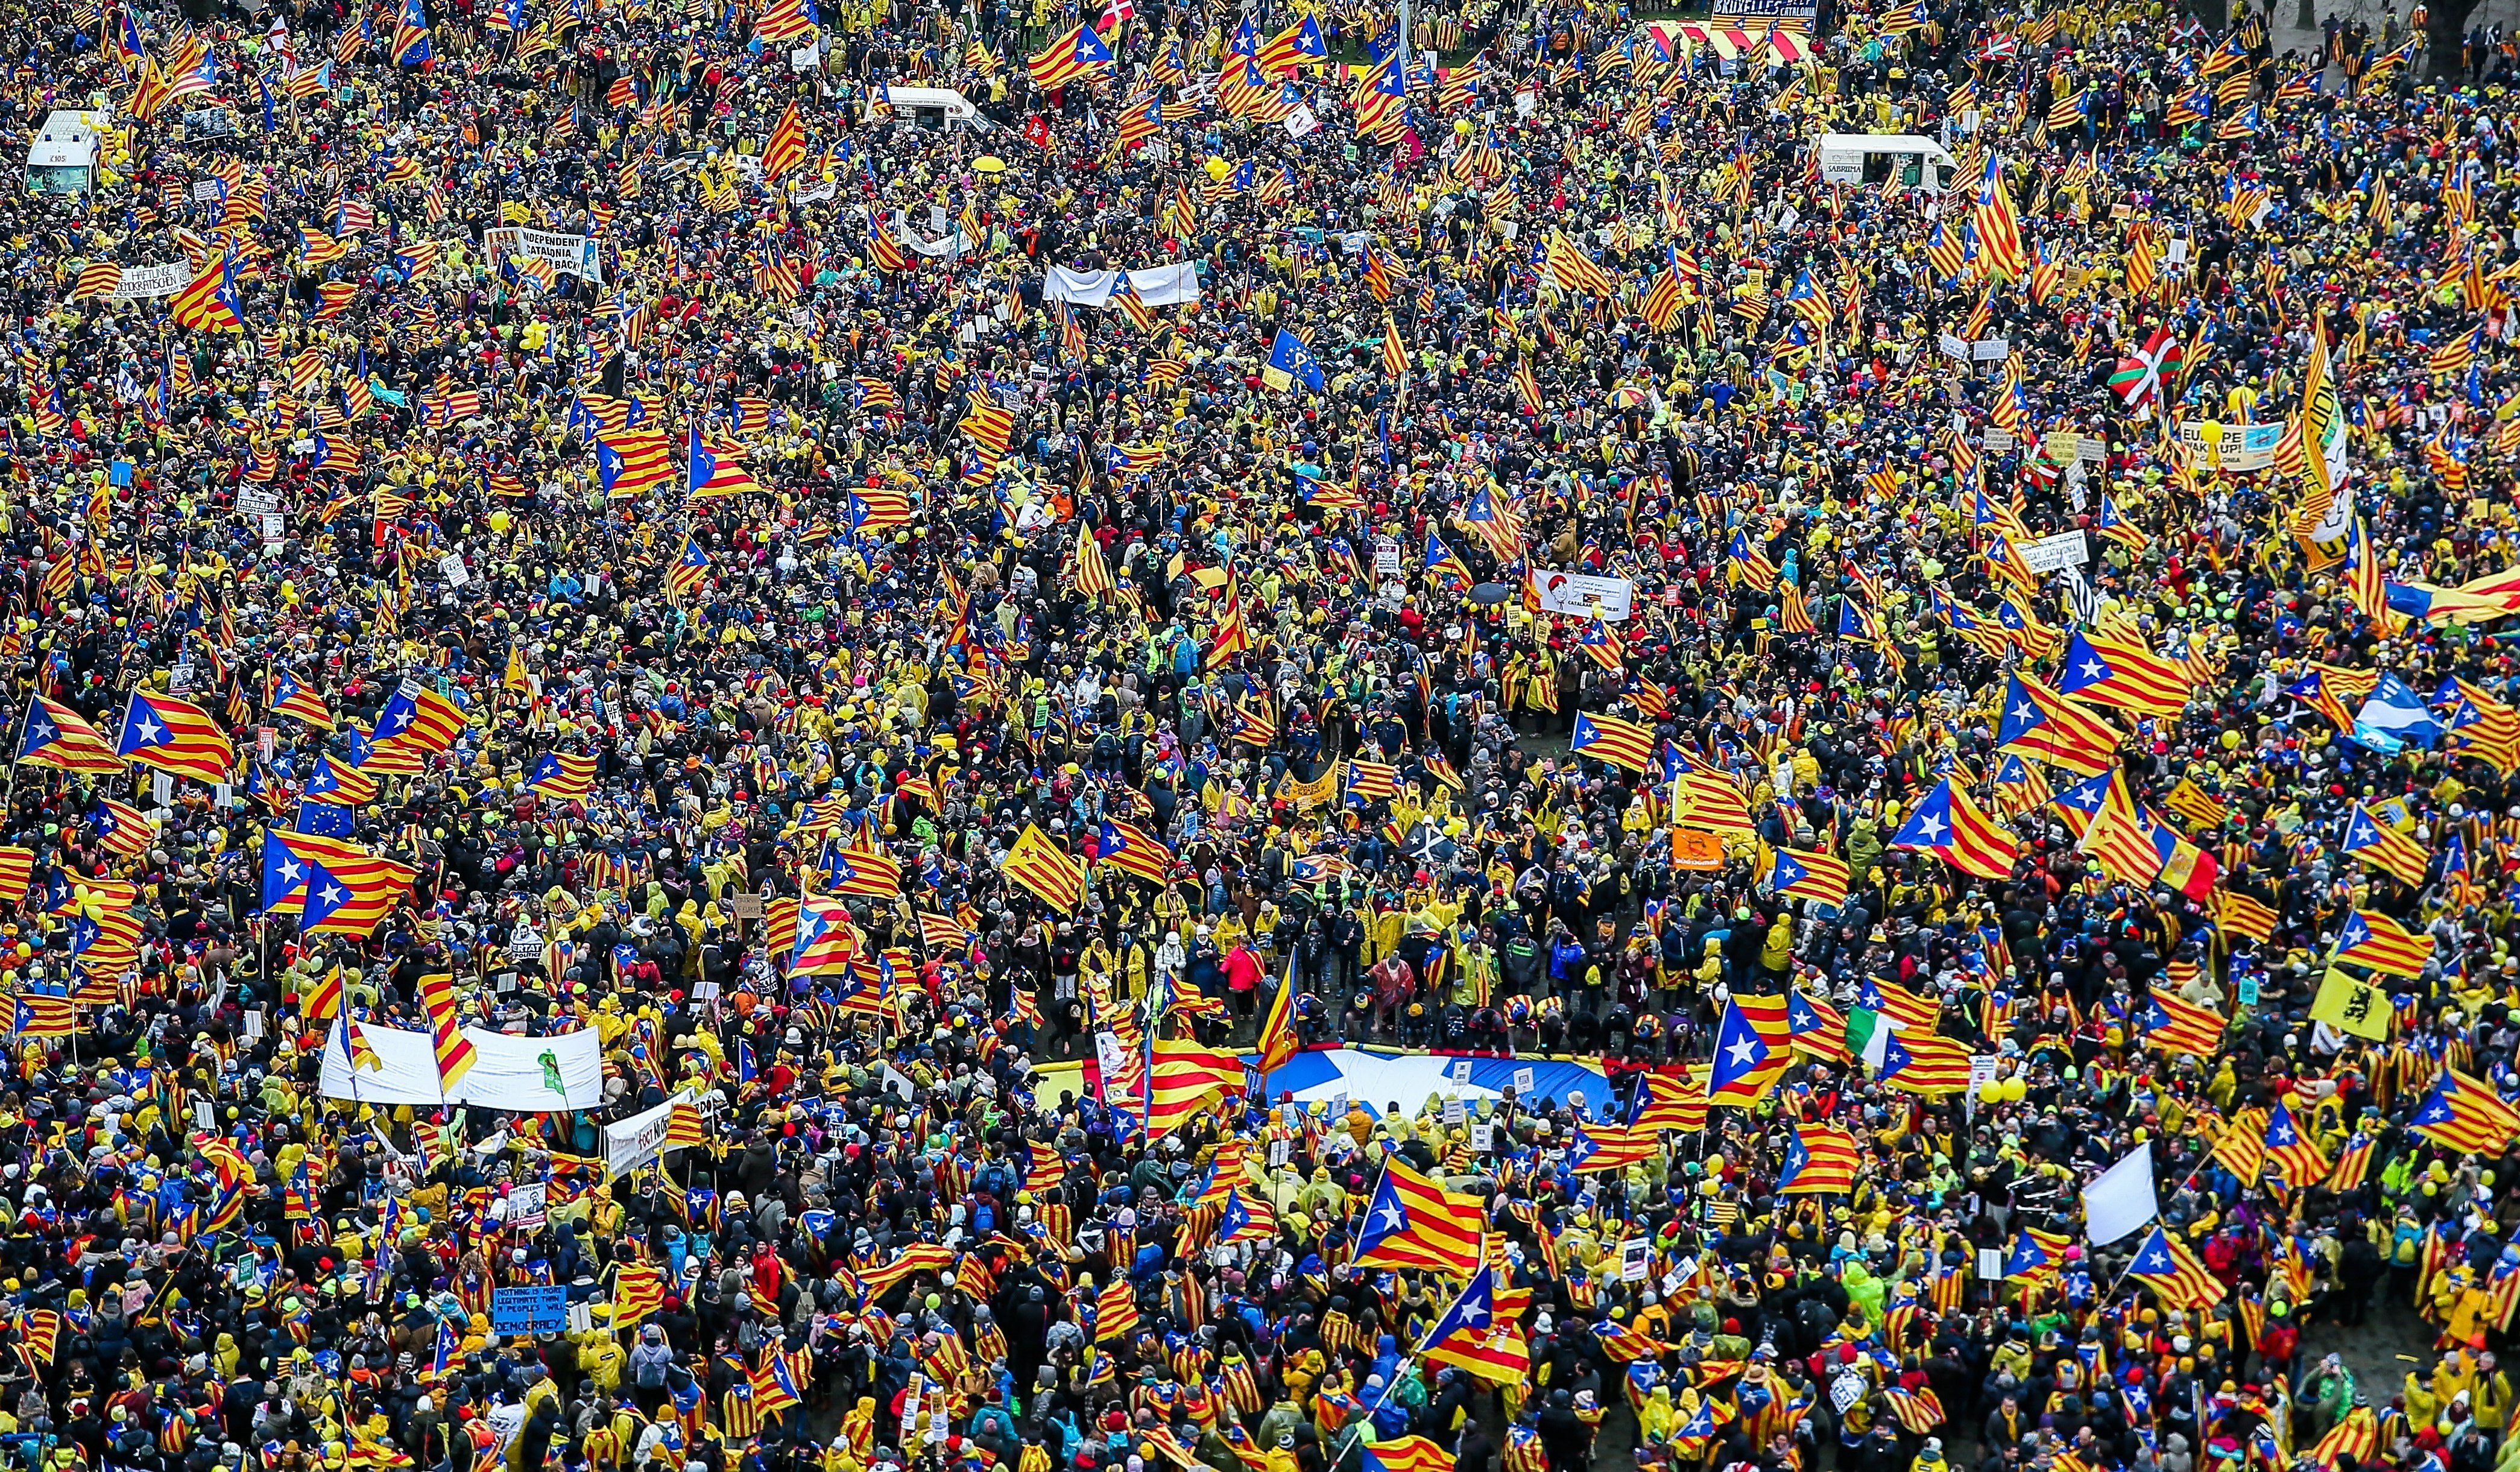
62 160
934 109
1908 160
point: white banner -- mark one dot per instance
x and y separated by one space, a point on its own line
2230 447
2066 549
636 1141
1166 285
579 255
1586 596
536 1075
140 282
947 249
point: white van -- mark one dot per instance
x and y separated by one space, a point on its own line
934 109
62 160
1905 158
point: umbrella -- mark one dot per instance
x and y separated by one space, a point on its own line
1489 594
988 163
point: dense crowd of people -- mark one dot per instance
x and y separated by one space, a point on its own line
744 731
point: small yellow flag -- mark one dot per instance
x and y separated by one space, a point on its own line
2353 1006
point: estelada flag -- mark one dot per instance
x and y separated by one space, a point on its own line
2174 1273
174 735
1820 1159
1410 1221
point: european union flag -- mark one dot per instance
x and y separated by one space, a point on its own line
1289 362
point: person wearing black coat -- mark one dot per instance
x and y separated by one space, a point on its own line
1563 1436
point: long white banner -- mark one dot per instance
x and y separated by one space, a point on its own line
576 254
139 281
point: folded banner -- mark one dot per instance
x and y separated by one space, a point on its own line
565 1071
1165 285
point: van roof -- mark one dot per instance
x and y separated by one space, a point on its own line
928 97
1883 143
68 140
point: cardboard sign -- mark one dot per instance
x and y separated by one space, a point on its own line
1461 1073
524 1206
1636 1255
1482 1136
1523 1080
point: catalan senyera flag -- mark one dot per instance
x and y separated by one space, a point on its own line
1279 1039
1407 1453
1184 1077
1115 1312
1410 1221
322 998
786 152
1091 573
638 1290
1041 865
361 1052
1820 1159
455 1051
174 735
